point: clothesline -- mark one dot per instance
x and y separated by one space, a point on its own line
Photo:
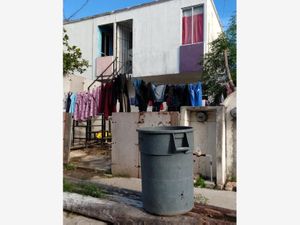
100 100
174 95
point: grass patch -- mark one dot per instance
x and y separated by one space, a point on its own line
69 166
231 179
83 189
200 182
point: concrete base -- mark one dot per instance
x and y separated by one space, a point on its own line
209 184
219 198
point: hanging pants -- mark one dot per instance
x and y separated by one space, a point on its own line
195 91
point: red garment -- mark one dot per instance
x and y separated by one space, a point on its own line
186 30
161 107
109 106
101 99
198 28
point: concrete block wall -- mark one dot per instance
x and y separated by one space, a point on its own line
231 154
209 138
125 150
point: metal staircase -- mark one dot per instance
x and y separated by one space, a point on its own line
93 130
118 66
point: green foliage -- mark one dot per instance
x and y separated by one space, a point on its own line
214 71
200 182
68 187
231 179
72 58
69 166
83 189
92 190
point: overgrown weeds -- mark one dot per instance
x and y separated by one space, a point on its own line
83 189
69 166
200 182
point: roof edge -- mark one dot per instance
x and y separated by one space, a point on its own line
217 14
117 11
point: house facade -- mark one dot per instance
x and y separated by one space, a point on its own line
160 41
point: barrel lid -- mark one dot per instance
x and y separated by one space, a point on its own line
165 129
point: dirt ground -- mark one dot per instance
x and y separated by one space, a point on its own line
89 162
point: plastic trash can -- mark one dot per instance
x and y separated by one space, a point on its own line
167 169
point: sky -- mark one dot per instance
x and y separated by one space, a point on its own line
225 8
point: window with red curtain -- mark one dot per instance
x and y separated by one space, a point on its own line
192 25
187 26
198 24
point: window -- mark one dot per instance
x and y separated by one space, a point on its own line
106 37
192 25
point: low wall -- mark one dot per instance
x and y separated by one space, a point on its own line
209 138
229 104
125 149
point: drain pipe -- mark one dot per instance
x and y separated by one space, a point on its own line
210 162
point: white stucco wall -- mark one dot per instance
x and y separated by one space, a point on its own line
156 35
81 35
213 24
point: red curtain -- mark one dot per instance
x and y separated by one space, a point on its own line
198 28
186 30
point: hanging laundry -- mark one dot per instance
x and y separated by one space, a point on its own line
158 92
122 93
73 102
186 100
85 102
101 99
109 105
78 106
158 96
195 91
142 94
172 98
68 102
93 99
97 96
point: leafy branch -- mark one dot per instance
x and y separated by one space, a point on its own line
72 58
219 64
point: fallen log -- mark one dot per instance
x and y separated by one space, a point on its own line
118 213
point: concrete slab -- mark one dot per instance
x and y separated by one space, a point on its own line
224 199
134 184
93 159
75 219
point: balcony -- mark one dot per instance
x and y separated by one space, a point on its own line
190 56
102 63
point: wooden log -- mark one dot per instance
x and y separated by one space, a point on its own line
206 213
228 70
118 213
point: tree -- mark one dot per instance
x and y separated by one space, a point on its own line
72 58
216 76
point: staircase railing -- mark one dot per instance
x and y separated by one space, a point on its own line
101 76
106 78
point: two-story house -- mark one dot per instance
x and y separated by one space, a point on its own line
161 41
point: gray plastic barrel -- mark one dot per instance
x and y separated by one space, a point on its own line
167 169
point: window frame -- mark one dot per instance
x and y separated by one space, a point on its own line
192 8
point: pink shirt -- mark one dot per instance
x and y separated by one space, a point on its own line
78 106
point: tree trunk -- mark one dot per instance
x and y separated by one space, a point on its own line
228 71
